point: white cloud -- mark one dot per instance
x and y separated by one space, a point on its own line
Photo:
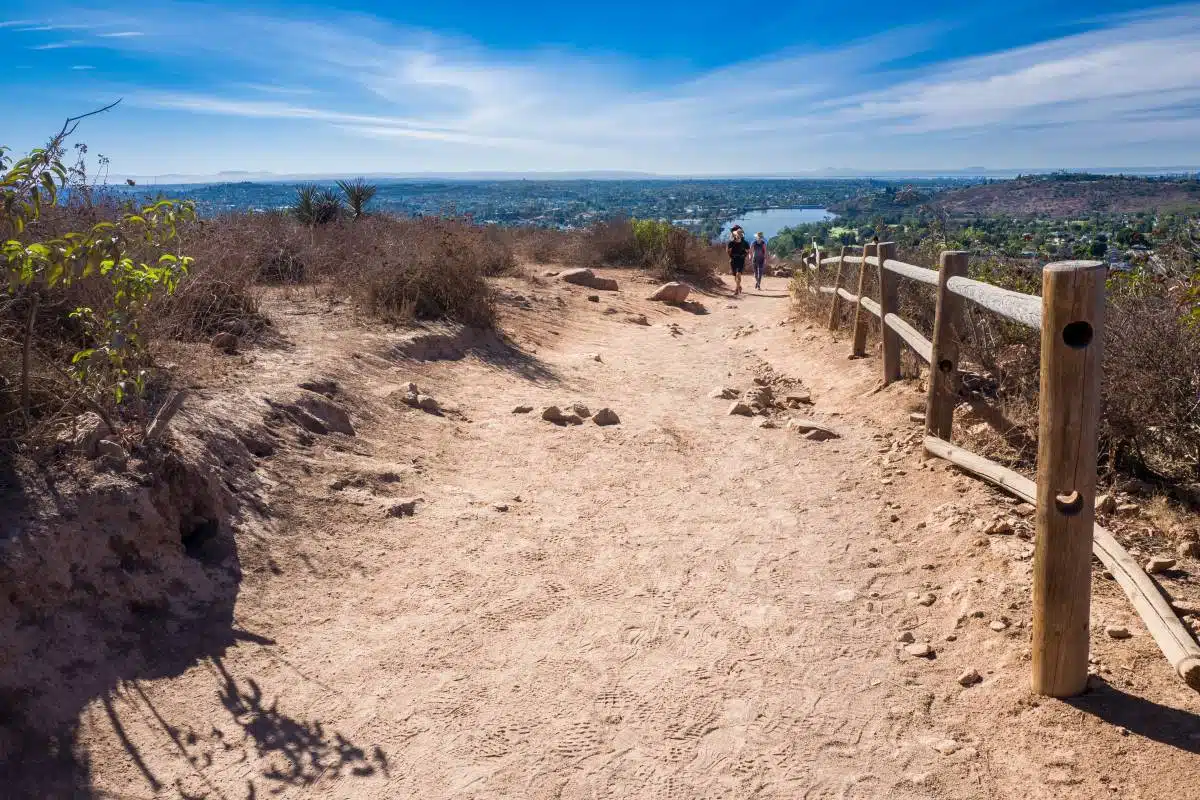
1130 79
54 46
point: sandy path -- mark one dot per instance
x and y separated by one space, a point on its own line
681 606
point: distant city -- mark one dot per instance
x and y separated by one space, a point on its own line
702 206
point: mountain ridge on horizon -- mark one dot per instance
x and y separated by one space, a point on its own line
264 176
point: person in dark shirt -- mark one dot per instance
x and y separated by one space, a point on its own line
737 248
758 251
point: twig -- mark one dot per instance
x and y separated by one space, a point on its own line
164 416
89 402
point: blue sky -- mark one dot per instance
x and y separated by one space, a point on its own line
670 87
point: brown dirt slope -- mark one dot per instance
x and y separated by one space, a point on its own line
475 603
1066 197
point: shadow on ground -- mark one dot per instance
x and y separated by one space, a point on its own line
1142 717
453 343
117 576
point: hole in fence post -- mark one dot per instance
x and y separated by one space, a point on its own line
946 365
1077 335
1069 504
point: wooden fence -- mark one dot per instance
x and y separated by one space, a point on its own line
1070 317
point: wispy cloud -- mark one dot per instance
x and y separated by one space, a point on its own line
1127 79
83 67
55 45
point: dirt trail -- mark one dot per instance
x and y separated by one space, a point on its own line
680 606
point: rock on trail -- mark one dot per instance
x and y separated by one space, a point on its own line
585 277
673 292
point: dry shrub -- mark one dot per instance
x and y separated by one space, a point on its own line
1150 415
406 269
669 253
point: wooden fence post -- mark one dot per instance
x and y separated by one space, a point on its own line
835 309
943 369
1072 348
859 348
889 302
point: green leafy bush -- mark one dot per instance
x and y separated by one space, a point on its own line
131 254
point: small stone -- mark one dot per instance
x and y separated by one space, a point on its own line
927 599
1118 632
427 403
798 399
905 638
405 508
1189 549
673 292
919 650
947 747
1105 504
998 625
112 452
550 273
501 507
999 527
606 416
740 409
637 319
917 417
593 298
225 342
522 409
1160 564
581 410
572 419
553 414
970 678
1128 508
85 433
1025 509
767 423
1186 606
594 357
723 393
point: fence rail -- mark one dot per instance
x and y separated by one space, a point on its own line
1070 317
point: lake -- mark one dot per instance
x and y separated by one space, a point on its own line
772 220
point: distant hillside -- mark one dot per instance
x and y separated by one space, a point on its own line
1071 195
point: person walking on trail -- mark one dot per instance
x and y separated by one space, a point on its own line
758 251
737 248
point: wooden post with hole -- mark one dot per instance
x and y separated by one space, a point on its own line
889 303
943 369
859 347
1072 350
836 308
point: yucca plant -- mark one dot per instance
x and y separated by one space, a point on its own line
358 193
316 206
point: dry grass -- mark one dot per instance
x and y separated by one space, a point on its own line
614 243
1150 423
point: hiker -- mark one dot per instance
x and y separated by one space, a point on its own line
737 249
758 251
